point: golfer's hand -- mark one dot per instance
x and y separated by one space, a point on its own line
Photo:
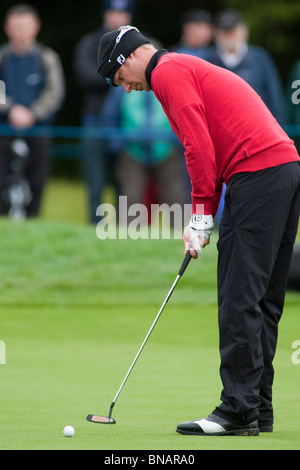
197 234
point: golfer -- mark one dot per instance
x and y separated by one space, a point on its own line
229 137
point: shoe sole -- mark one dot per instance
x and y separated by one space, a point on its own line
234 432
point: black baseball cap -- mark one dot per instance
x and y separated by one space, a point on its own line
196 16
228 19
115 47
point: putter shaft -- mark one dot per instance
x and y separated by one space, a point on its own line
183 267
147 337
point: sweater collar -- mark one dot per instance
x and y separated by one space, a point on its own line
153 63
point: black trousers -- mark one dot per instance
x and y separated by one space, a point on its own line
257 234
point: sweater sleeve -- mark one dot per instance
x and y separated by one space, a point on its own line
53 93
181 97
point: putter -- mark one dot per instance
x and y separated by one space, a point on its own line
108 419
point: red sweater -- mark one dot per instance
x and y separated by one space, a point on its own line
222 123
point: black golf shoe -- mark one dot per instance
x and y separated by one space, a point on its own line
215 426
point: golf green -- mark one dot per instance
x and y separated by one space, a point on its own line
74 311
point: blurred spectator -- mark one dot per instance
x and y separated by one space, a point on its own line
155 161
196 37
196 33
252 63
98 164
34 82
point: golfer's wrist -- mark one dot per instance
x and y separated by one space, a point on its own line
202 225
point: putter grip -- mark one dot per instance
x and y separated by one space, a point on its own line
185 263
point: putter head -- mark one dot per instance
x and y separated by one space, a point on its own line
100 419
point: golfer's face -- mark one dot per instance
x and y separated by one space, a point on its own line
131 76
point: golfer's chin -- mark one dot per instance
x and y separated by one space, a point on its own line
144 87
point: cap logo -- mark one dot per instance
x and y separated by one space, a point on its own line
121 59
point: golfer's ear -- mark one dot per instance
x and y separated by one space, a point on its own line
132 56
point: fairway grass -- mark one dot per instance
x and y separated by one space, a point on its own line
74 311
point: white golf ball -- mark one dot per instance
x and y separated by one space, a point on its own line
69 431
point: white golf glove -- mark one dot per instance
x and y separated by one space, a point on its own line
200 226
